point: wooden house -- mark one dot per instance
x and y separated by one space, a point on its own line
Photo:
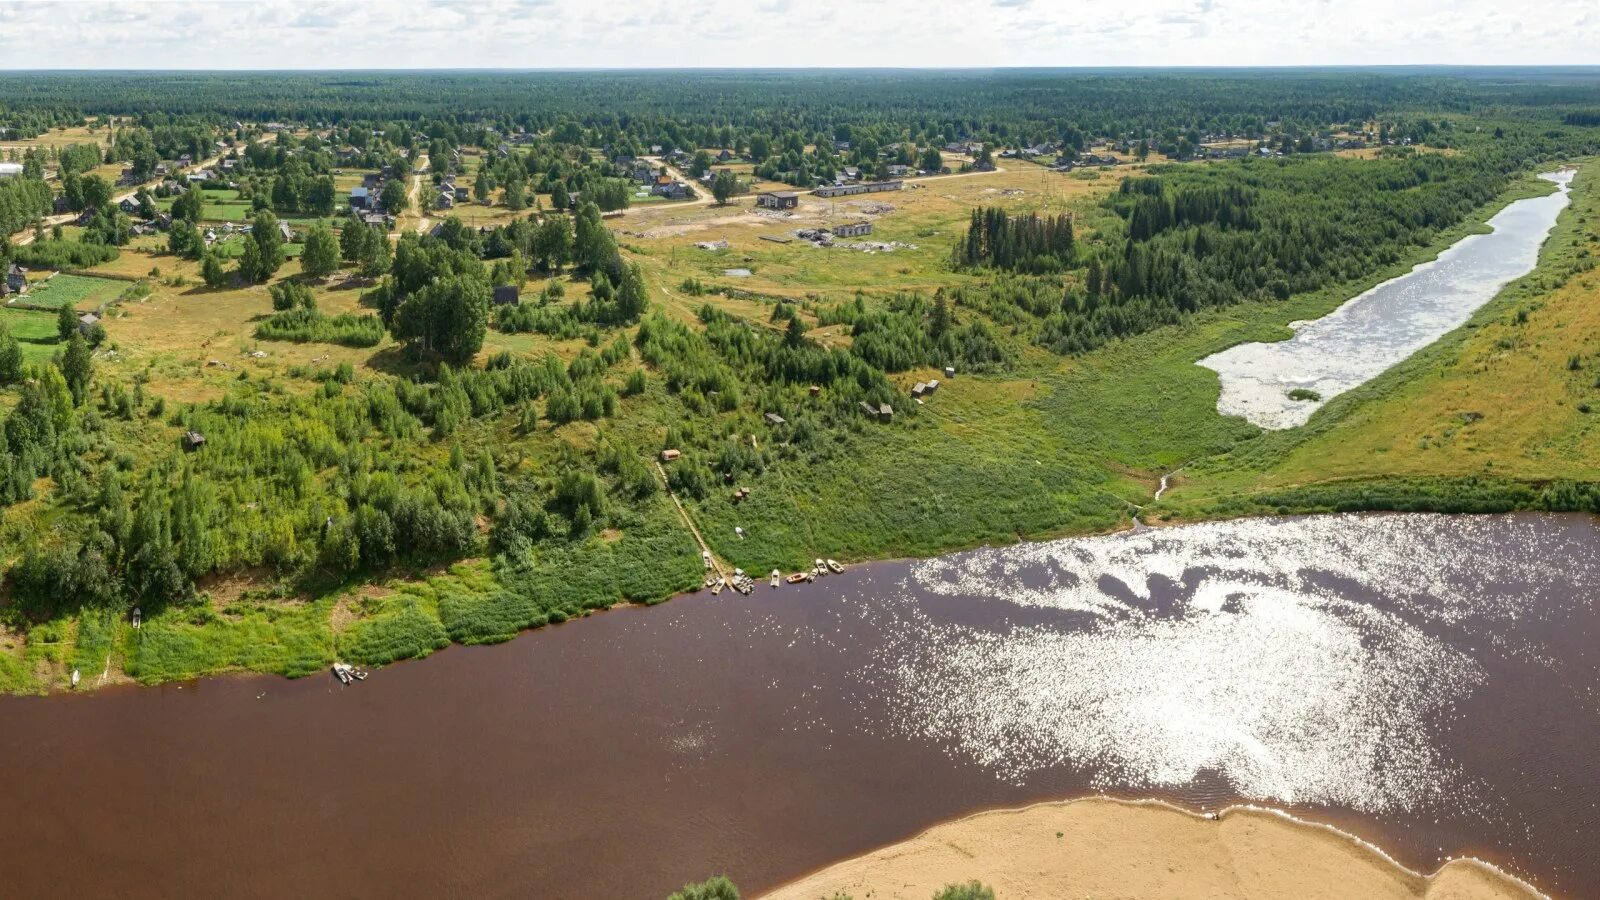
16 279
778 200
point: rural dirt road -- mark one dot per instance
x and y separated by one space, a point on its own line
414 197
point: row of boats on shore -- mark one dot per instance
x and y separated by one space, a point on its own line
744 584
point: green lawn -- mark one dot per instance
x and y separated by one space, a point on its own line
36 331
220 206
77 291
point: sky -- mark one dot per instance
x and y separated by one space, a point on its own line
545 34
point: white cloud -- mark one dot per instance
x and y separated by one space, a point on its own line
517 34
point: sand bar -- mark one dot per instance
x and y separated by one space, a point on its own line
1117 849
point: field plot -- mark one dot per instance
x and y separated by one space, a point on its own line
913 232
35 331
76 291
220 206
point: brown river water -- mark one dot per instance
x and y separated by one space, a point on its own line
1429 683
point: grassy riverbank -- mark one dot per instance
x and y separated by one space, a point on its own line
1045 445
1499 414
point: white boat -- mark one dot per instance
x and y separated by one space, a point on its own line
344 672
775 577
819 567
834 565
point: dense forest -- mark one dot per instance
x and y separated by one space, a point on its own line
724 108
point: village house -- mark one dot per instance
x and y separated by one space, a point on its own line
360 197
778 200
898 171
505 295
852 229
16 279
672 190
774 419
87 322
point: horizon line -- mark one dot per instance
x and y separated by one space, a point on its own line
513 70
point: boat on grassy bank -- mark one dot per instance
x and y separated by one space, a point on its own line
1423 682
1280 384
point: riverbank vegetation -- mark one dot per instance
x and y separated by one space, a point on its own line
458 432
1497 415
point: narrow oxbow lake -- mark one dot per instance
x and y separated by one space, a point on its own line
1359 340
1429 683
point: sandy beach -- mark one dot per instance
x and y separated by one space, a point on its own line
1103 848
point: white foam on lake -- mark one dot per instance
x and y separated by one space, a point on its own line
1388 323
1249 649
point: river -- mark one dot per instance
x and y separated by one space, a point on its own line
1430 683
1368 334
